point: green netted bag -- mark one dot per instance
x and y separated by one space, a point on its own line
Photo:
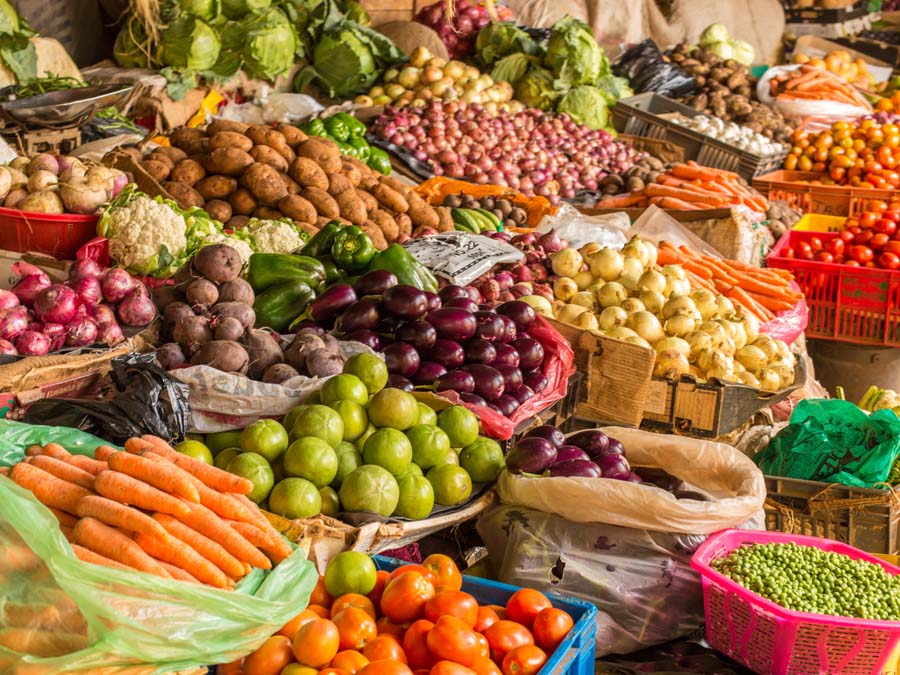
61 615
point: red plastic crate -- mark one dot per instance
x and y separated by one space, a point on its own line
795 188
57 235
851 304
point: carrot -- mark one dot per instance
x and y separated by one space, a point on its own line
750 284
739 294
43 643
621 201
176 552
674 204
203 545
4 470
259 518
86 464
276 547
127 490
690 196
63 470
136 445
161 475
109 542
213 477
114 514
104 452
48 489
668 256
178 573
87 555
43 615
56 450
63 518
699 282
210 525
68 533
33 450
773 304
692 172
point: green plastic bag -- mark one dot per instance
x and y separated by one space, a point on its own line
62 615
834 441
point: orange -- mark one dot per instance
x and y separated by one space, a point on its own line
353 600
270 658
316 643
384 647
355 626
385 668
289 630
350 660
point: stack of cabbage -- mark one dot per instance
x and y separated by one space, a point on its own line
717 40
570 75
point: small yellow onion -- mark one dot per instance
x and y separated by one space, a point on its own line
653 300
583 279
749 379
395 90
725 306
676 287
715 330
539 304
738 335
390 75
751 326
637 340
409 77
679 325
419 57
681 304
454 69
607 264
612 317
712 358
590 249
674 272
785 372
611 293
651 280
635 249
564 289
671 364
432 74
738 368
705 302
727 346
650 251
673 344
768 380
784 350
583 298
566 263
587 321
632 305
621 333
568 313
752 358
646 325
437 62
472 72
724 374
768 346
699 342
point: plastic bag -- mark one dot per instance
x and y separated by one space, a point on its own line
834 441
789 325
824 111
643 64
148 400
63 615
461 258
579 229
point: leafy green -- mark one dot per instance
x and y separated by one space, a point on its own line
500 39
356 12
536 89
270 45
131 49
178 82
9 20
190 44
19 55
512 68
573 54
615 88
203 9
230 61
713 33
586 105
322 16
237 9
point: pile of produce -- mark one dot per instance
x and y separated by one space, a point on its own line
645 171
735 135
716 40
363 447
57 184
532 151
531 277
425 77
350 135
572 75
416 617
489 213
809 83
546 451
780 217
668 299
152 509
792 576
459 29
38 316
839 62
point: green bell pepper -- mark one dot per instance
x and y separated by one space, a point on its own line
320 244
348 150
357 128
279 305
379 160
269 269
314 127
337 128
332 271
352 249
405 267
363 149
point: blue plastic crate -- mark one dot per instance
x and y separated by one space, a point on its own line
575 656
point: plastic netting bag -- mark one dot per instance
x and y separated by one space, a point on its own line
834 441
61 615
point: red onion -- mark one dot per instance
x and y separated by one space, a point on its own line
87 289
119 181
85 267
56 333
28 287
31 343
137 309
82 333
7 348
8 299
13 321
102 313
109 333
56 304
116 283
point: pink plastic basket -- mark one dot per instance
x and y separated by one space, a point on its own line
772 640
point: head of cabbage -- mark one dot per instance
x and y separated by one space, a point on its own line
586 105
203 9
573 54
237 9
270 44
743 52
536 89
190 44
500 39
131 49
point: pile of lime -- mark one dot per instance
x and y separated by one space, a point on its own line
360 447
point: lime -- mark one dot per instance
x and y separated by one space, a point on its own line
344 387
226 456
295 498
412 470
389 449
370 369
291 417
350 572
460 424
319 421
278 468
222 440
370 488
451 484
429 445
314 398
265 437
426 415
416 497
348 461
483 460
393 408
331 505
256 469
313 459
195 449
361 441
450 458
353 415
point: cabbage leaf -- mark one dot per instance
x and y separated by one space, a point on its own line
270 44
190 44
586 105
537 90
498 40
574 55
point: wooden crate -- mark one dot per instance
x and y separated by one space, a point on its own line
383 11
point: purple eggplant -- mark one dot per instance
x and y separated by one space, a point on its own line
509 329
428 372
447 293
659 478
404 302
522 394
490 326
512 377
455 380
453 323
366 337
507 356
332 302
531 455
536 380
488 381
507 404
520 312
565 452
433 300
462 303
375 282
399 382
593 441
615 447
402 359
473 399
419 334
361 314
579 468
448 353
531 353
634 478
613 466
479 350
549 433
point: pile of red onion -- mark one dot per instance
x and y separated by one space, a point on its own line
532 151
38 316
458 34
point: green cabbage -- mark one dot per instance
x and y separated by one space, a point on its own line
237 9
536 89
190 44
270 45
511 68
723 50
500 39
573 54
130 49
354 11
230 61
743 52
204 9
586 105
9 20
615 88
714 33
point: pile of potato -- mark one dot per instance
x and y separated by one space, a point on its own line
235 171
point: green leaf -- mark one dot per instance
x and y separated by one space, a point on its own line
179 82
19 55
511 68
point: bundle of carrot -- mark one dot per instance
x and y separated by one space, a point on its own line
762 292
814 84
153 509
691 187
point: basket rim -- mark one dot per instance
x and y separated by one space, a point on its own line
55 218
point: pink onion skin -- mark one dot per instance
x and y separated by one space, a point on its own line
7 348
56 333
137 309
88 290
82 333
29 287
56 304
24 269
102 313
109 333
116 284
119 181
31 343
85 267
13 322
8 299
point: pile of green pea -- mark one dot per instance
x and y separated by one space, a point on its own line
808 579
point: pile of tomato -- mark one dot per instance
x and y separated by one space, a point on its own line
415 621
871 239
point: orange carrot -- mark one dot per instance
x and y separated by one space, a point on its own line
87 555
109 542
259 518
773 304
276 548
127 490
690 196
136 445
621 201
749 303
674 204
68 533
210 525
4 470
692 172
63 470
699 282
48 489
42 615
64 518
753 285
213 477
104 452
176 552
114 514
56 450
206 547
161 475
33 450
43 643
86 464
668 256
178 573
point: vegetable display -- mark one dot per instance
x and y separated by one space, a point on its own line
809 83
459 30
842 64
716 40
349 134
740 137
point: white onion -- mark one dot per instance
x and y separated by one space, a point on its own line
653 300
724 306
583 298
749 379
651 280
610 294
768 346
768 380
751 326
622 332
565 288
637 340
679 325
646 325
674 272
699 342
671 364
607 264
752 358
568 313
612 317
583 279
673 344
715 330
635 249
632 305
587 321
678 305
705 301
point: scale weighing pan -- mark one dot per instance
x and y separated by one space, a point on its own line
64 108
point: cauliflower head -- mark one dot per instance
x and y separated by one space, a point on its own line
145 236
275 236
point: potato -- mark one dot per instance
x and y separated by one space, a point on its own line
390 198
186 196
404 222
368 182
322 201
265 135
175 154
375 234
229 357
263 154
185 136
422 213
242 201
230 139
298 209
386 223
309 228
265 184
263 350
218 209
360 166
226 125
404 189
293 187
322 221
267 213
302 346
162 158
237 290
338 183
323 152
227 161
293 136
187 171
350 172
445 219
159 171
216 187
237 222
308 174
352 207
367 199
197 146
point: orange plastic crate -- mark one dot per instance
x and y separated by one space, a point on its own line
796 188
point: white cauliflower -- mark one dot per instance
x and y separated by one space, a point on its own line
140 230
242 247
275 236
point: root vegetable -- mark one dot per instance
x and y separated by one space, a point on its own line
43 162
7 348
323 362
229 357
192 332
229 329
88 290
45 201
238 310
218 263
202 292
236 290
116 284
81 196
302 346
32 343
165 296
110 333
137 309
278 373
85 267
8 300
264 352
6 181
42 180
15 197
170 356
56 304
82 333
13 322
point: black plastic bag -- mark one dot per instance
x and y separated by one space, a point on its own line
146 400
643 64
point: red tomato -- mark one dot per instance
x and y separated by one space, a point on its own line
892 247
486 617
803 248
404 598
854 230
526 603
889 261
415 644
847 236
893 213
450 668
807 255
861 254
835 246
524 660
453 639
788 252
504 636
863 237
867 219
551 627
824 256
815 243
851 263
400 571
446 575
454 603
878 241
886 226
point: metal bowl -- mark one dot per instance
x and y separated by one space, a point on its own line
64 108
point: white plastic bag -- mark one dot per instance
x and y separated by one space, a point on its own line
800 109
579 229
461 257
